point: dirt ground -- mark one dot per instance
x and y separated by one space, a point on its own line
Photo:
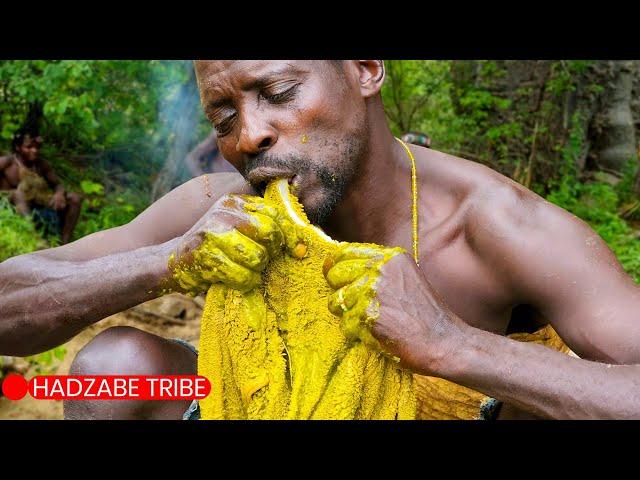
172 316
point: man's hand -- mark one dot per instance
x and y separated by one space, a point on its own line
58 200
231 244
385 301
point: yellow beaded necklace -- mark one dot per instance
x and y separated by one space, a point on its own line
414 201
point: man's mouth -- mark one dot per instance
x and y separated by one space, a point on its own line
260 177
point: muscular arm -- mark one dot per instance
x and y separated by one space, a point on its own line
47 297
4 162
556 263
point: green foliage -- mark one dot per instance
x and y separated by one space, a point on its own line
104 212
624 189
416 96
106 124
482 102
480 106
564 73
46 363
458 113
91 188
18 235
88 104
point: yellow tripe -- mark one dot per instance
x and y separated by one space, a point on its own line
277 352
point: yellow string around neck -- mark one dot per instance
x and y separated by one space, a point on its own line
414 201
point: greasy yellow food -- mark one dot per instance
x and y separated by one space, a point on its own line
277 352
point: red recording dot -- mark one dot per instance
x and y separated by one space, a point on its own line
14 387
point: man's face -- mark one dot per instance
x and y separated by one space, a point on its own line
301 120
30 148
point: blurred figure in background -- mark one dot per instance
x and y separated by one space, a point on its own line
206 158
35 189
417 138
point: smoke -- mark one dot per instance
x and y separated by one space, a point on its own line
179 114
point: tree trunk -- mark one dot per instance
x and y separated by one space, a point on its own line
614 142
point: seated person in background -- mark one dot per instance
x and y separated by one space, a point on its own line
417 138
34 186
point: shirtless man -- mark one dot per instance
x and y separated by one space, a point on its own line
487 248
33 183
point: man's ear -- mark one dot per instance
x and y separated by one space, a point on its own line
371 76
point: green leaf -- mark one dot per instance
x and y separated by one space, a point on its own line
92 188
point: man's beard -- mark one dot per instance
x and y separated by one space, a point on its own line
333 181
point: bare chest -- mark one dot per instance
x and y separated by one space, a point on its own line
467 283
468 287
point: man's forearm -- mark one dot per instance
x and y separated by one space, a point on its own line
543 381
44 302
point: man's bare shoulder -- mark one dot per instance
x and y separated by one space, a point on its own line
500 209
521 236
5 161
457 175
498 215
483 194
508 208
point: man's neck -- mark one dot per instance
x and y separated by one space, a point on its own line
378 200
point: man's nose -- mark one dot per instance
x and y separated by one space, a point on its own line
256 136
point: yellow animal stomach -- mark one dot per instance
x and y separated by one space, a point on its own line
277 352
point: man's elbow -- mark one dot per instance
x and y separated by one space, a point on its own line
22 338
24 332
